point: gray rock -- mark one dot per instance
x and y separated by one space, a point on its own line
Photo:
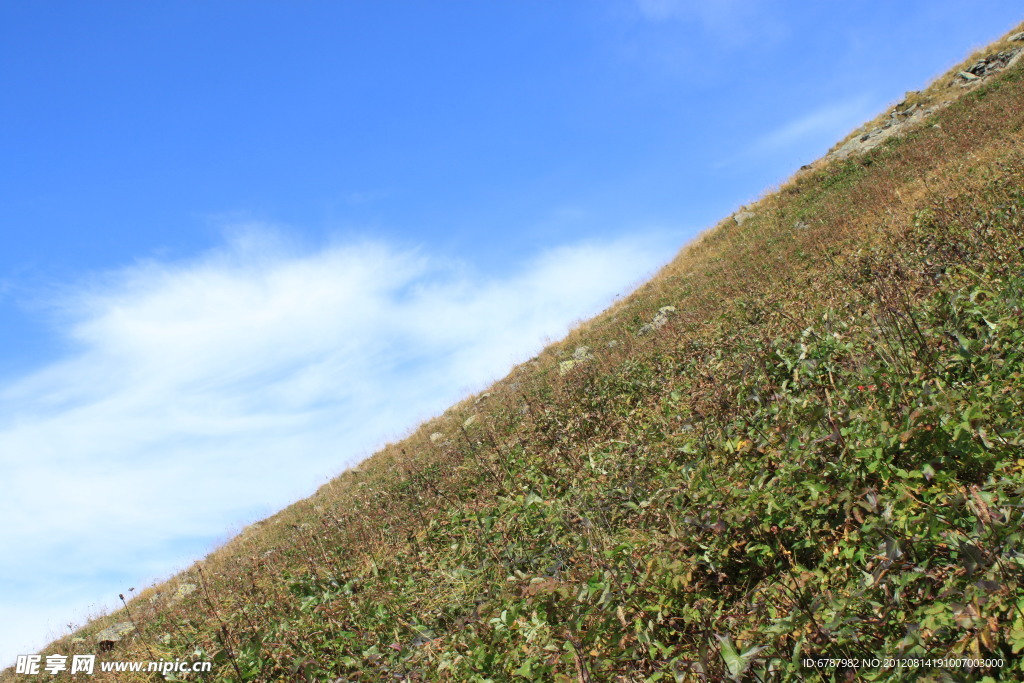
800 225
436 436
660 319
470 421
742 217
113 634
582 353
663 315
1017 37
988 66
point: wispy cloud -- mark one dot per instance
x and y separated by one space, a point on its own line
207 393
730 22
710 12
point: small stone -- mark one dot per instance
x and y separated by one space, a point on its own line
582 353
742 217
613 343
659 320
979 67
436 436
1017 37
800 225
661 317
469 422
482 397
114 633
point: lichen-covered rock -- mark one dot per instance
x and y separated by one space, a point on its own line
115 633
580 355
184 590
567 366
659 320
742 217
663 314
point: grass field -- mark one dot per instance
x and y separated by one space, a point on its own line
818 453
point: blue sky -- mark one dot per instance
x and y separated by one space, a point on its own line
244 244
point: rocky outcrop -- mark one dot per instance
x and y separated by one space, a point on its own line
983 68
901 118
906 115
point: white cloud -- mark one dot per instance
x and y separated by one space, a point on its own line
204 394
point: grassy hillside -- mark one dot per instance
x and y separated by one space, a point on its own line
802 438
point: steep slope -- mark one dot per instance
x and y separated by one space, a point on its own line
802 439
